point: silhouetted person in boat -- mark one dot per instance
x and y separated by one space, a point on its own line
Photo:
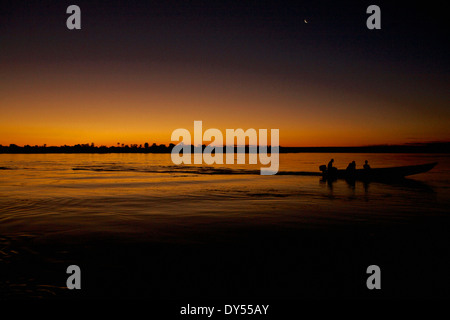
330 165
351 168
329 170
366 165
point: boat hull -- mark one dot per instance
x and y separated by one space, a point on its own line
380 174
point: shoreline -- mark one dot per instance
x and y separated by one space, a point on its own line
442 148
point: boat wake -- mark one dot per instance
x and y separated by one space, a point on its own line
188 170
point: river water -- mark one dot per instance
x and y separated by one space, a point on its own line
139 226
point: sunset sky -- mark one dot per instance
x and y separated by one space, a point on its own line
137 70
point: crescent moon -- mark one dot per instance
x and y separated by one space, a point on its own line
305 21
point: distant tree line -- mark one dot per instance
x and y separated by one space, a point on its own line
88 148
437 147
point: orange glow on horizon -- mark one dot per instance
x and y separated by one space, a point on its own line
110 104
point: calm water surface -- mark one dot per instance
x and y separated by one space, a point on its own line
54 194
135 198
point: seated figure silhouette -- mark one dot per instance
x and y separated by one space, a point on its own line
330 170
351 167
366 165
330 165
